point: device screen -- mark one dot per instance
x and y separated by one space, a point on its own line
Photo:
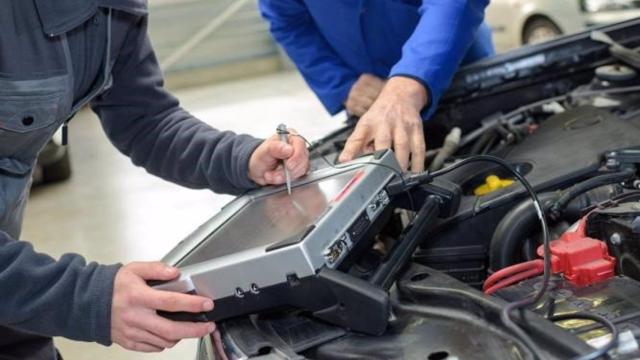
271 219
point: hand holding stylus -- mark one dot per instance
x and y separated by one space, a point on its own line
274 158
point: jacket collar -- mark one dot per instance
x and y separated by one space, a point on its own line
60 16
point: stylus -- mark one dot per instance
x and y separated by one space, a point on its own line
282 132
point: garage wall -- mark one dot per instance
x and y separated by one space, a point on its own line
241 47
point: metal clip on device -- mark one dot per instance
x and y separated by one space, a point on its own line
297 250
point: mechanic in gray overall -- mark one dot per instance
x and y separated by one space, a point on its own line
55 57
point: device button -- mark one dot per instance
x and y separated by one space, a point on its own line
239 292
255 289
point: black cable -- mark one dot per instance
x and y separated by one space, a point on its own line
529 300
520 304
571 193
602 351
505 314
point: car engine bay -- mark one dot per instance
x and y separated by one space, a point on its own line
565 115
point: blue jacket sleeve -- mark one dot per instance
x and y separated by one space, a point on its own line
67 297
293 28
435 50
147 124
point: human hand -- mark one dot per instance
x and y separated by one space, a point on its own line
363 94
136 326
265 164
393 121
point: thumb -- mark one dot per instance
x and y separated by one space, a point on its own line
153 270
279 150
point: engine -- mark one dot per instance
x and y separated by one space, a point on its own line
566 118
580 153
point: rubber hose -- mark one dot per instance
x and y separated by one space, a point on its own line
569 194
511 232
484 139
449 147
573 210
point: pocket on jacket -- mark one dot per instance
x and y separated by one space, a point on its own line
27 122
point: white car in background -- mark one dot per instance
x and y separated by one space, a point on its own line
520 22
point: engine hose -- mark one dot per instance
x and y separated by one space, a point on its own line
512 231
575 209
450 146
484 139
556 209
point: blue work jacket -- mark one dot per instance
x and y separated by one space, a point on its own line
333 42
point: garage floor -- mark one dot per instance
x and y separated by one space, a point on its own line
113 212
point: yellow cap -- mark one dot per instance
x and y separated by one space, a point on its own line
491 184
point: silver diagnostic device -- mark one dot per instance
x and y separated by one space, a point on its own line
268 249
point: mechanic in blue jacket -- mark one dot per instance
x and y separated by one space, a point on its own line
55 57
385 61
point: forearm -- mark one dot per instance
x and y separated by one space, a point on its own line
180 148
68 297
440 41
147 124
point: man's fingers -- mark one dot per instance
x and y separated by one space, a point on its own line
357 110
369 149
383 138
143 336
355 143
418 150
280 150
299 159
154 270
401 148
357 106
141 347
371 80
366 97
174 302
299 170
275 177
371 93
177 330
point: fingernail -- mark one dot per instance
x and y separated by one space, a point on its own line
207 305
169 270
212 328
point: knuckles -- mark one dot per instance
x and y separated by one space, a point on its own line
129 317
167 333
128 344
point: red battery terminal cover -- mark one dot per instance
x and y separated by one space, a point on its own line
582 260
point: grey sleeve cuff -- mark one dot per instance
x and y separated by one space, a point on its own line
242 155
103 297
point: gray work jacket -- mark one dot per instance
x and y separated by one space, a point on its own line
55 57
